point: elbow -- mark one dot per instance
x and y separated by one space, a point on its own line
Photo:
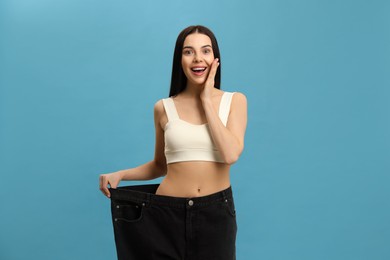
161 169
231 160
233 157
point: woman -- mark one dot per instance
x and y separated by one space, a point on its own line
199 133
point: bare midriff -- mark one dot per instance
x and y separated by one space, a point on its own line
194 179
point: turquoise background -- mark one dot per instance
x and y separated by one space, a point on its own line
79 80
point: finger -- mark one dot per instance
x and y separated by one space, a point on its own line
103 186
213 70
113 185
100 181
107 192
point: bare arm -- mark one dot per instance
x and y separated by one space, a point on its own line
157 167
150 170
230 139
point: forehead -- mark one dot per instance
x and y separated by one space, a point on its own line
197 40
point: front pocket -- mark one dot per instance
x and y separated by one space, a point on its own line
128 211
229 205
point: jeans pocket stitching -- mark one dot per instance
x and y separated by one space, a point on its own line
117 216
230 207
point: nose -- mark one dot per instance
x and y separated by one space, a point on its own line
197 58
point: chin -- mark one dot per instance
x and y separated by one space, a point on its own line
198 82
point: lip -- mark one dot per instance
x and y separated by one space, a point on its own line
200 73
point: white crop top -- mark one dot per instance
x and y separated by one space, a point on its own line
190 142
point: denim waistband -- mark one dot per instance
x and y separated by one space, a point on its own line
146 194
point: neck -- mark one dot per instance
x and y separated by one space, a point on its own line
193 90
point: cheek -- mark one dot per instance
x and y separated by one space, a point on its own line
210 59
184 63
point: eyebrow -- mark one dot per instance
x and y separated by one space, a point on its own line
204 46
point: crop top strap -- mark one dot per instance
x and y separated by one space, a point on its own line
224 106
170 109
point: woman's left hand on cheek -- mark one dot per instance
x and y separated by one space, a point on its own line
209 84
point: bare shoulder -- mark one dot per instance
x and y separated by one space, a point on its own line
159 114
239 99
159 108
238 114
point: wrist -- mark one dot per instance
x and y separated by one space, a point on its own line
206 101
120 173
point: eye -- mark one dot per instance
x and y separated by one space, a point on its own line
207 51
187 52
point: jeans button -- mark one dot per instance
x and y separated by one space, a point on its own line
190 202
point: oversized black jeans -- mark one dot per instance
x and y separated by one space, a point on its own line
155 227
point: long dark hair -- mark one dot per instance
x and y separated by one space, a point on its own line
179 79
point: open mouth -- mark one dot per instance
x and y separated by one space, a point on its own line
198 69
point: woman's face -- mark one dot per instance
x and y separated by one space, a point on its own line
197 57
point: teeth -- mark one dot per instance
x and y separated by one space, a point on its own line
198 69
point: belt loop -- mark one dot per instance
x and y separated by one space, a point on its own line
224 195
